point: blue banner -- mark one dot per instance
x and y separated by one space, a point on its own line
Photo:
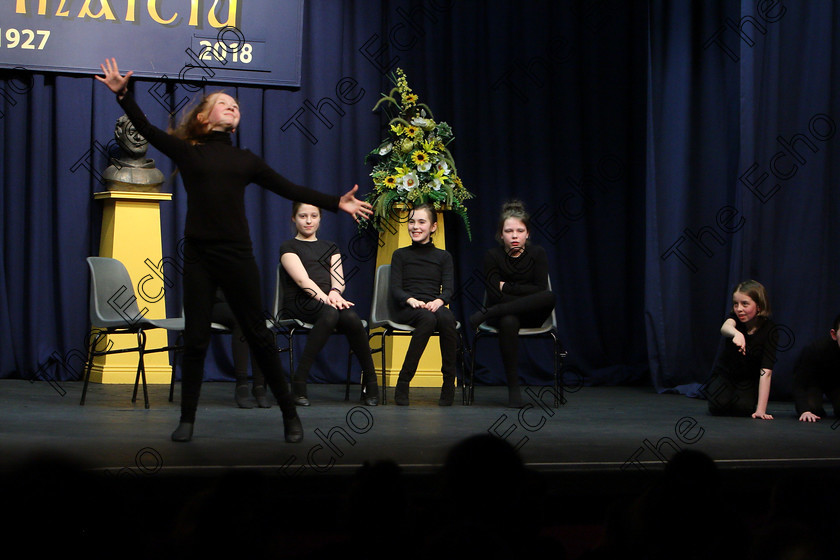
219 41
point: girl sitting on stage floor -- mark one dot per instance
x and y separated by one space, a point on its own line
314 288
218 249
516 276
422 283
740 382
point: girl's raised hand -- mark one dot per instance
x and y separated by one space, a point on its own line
115 82
353 206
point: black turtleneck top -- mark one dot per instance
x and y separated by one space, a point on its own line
215 174
422 271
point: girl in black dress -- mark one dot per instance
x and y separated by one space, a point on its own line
314 293
516 279
217 249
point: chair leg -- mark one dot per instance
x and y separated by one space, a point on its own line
463 362
174 367
471 388
384 389
558 397
143 364
141 369
347 382
290 339
91 354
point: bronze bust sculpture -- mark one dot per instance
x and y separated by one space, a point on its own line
132 170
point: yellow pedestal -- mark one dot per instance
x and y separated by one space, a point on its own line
131 234
428 371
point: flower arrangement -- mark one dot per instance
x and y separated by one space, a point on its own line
413 164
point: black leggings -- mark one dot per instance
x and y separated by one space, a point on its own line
325 319
223 314
425 323
727 397
231 267
510 316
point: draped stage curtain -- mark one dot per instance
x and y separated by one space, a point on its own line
623 126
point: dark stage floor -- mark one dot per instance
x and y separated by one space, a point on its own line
604 446
601 429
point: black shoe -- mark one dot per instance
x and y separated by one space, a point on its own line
242 399
401 393
293 429
299 391
447 394
183 432
369 398
259 394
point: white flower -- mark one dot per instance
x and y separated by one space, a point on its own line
409 181
384 150
417 121
441 166
436 184
425 166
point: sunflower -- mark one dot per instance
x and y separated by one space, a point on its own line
413 163
419 157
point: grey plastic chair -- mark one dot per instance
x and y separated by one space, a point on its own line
114 310
548 330
383 309
289 327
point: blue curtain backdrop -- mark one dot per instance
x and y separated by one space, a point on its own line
637 133
741 177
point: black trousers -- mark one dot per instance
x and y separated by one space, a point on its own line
326 319
231 267
511 315
223 314
728 397
425 323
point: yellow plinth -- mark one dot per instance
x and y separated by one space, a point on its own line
131 234
428 371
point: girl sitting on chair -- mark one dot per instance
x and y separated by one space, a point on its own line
516 276
422 283
314 293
